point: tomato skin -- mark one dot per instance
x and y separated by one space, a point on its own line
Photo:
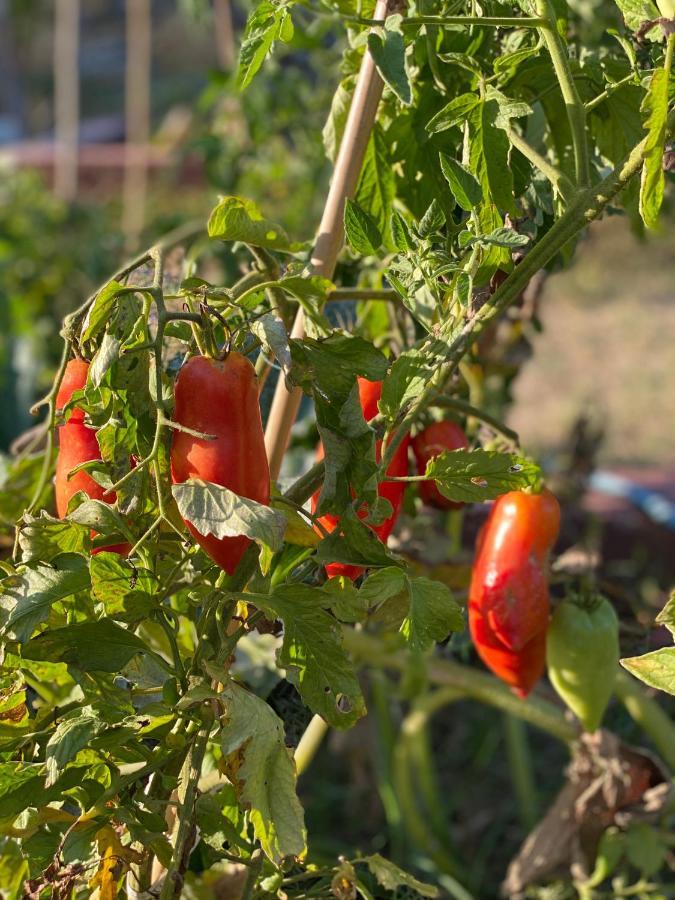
78 444
508 597
509 583
220 398
432 441
520 670
369 395
74 379
582 655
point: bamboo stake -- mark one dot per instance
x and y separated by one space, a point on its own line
330 237
137 115
66 97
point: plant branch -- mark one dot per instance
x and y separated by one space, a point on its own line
558 179
370 651
488 21
586 207
576 112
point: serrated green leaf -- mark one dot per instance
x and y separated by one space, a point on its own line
43 537
70 736
126 593
29 596
454 113
391 876
667 615
653 179
465 189
100 646
636 12
265 774
471 476
488 155
214 509
238 219
657 669
361 229
98 314
271 332
376 189
358 545
432 613
313 655
106 355
269 22
388 52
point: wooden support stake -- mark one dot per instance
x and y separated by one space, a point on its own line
330 238
66 97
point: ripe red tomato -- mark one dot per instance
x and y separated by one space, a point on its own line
369 395
220 398
78 444
508 598
520 670
432 441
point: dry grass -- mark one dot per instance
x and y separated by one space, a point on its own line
607 348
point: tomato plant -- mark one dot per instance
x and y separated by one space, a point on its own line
140 754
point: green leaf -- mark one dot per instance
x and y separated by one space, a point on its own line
645 848
264 775
214 509
14 870
667 615
488 155
107 354
237 219
126 593
101 517
432 615
267 23
653 179
657 669
361 229
100 646
465 189
335 123
636 12
42 537
271 332
508 108
454 113
31 594
375 193
391 877
463 289
470 476
388 51
500 237
313 655
98 314
358 546
311 291
70 736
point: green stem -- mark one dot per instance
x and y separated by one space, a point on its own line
522 774
192 768
255 867
609 90
558 179
488 21
648 715
471 410
576 112
368 650
310 743
586 207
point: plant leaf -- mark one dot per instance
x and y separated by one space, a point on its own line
465 189
361 229
388 51
237 219
469 476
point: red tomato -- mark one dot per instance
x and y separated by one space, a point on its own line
221 398
78 444
509 584
521 670
369 394
431 442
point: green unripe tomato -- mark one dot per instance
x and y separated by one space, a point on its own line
582 655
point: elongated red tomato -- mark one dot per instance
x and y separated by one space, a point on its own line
509 583
369 395
220 398
432 441
520 670
78 444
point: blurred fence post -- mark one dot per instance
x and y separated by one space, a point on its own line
66 97
225 45
137 117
